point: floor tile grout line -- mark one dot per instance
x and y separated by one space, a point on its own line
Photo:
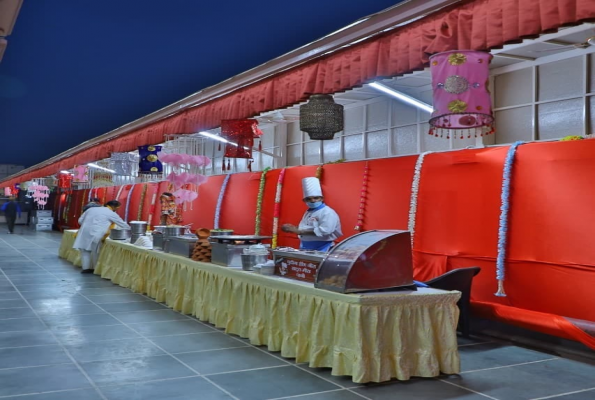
509 366
77 365
564 394
474 344
309 394
162 349
35 366
245 370
467 389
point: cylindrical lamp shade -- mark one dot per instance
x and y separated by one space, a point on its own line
149 161
321 117
462 103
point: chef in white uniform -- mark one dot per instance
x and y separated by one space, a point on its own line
320 225
95 225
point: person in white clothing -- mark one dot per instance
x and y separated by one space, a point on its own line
320 225
95 226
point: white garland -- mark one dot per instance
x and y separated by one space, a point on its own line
119 192
128 203
220 201
414 194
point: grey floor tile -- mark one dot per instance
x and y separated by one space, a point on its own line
197 342
33 356
148 316
49 294
326 373
20 339
104 291
114 350
530 381
21 324
341 394
243 358
9 295
418 389
70 309
81 394
141 369
118 298
23 312
54 321
41 379
491 355
271 383
92 334
58 302
133 306
177 389
7 289
178 327
13 303
472 340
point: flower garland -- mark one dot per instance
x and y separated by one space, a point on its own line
119 192
362 200
259 200
67 208
152 208
83 197
277 210
104 196
139 214
414 194
128 198
220 201
503 222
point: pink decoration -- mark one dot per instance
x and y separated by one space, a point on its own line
462 104
183 195
81 173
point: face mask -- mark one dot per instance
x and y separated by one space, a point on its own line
313 204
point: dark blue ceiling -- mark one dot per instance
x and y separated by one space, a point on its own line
74 70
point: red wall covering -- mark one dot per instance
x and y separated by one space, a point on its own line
551 259
472 24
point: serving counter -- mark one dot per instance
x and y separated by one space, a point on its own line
66 251
370 337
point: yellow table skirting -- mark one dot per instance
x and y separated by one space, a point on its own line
372 337
66 251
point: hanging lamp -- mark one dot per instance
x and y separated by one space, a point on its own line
321 117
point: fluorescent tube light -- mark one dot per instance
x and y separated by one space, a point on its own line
215 137
65 172
402 96
98 167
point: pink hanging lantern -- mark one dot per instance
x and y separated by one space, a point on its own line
462 103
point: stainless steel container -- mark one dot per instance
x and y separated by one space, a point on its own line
159 228
181 245
215 232
134 237
174 231
120 234
138 227
250 260
157 240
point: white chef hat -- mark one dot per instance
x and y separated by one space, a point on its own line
311 187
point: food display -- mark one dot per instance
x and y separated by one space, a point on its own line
372 260
227 250
202 247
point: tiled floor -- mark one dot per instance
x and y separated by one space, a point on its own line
65 336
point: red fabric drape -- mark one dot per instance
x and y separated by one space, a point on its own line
474 25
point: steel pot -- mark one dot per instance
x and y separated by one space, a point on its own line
160 228
138 227
120 234
174 230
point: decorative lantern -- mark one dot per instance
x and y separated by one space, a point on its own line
123 163
321 117
65 182
462 103
149 161
240 134
81 173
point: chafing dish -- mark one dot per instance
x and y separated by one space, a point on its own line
181 245
227 250
120 234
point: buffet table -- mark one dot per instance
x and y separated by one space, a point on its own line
372 337
66 251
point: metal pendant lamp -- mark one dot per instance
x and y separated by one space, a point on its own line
321 117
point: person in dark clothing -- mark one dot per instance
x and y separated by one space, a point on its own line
95 202
11 210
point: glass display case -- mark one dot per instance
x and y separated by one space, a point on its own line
372 260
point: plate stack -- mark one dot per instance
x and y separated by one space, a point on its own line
138 229
202 248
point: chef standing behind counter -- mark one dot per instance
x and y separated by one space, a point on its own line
320 226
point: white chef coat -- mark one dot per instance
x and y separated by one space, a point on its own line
324 221
95 223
